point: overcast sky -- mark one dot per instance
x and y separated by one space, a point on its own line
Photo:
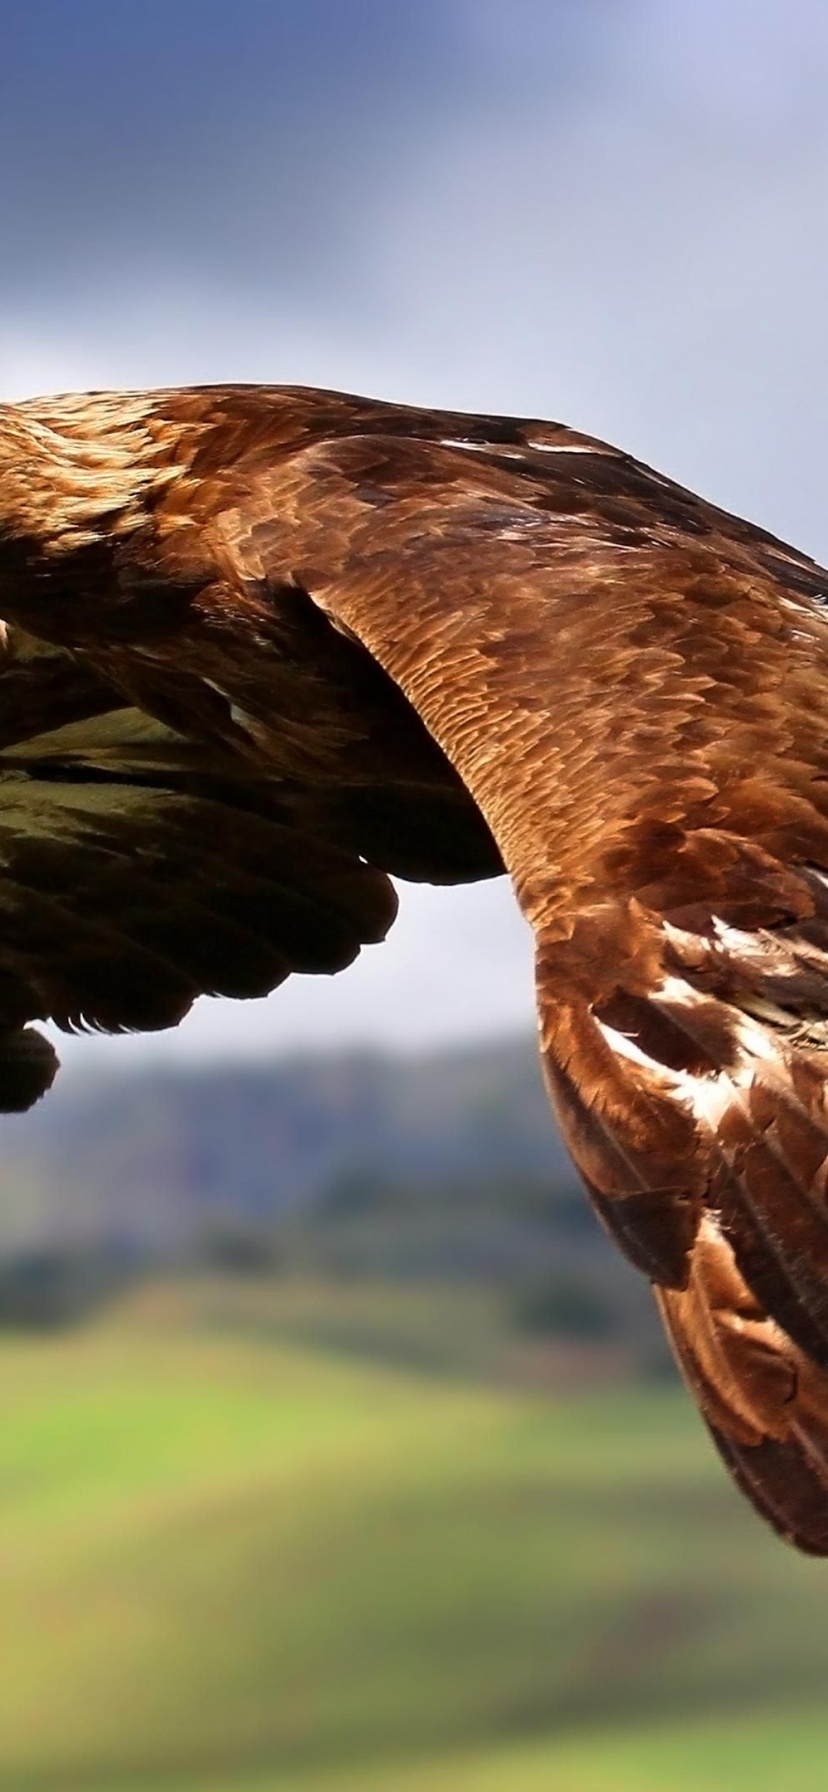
613 212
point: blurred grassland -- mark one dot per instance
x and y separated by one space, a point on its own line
234 1561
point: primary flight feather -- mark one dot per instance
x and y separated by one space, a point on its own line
264 648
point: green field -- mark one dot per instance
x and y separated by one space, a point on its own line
237 1563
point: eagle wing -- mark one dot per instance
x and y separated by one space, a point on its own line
140 868
633 688
454 641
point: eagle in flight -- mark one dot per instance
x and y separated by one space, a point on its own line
265 648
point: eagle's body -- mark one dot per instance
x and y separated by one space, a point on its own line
266 646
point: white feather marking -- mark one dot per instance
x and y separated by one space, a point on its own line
707 1094
755 1041
499 448
803 608
514 450
743 945
708 1097
565 447
627 1048
711 1232
675 990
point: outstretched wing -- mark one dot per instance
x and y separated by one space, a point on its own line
633 688
140 868
371 636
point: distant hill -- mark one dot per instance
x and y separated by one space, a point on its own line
154 1154
364 1166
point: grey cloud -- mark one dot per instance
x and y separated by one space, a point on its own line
210 136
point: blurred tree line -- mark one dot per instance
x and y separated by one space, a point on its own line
437 1169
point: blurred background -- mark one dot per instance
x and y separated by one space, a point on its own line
336 1448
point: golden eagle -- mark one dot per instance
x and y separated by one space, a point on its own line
264 647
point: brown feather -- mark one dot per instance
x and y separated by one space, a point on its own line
266 645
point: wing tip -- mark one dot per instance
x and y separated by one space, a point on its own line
784 1485
28 1067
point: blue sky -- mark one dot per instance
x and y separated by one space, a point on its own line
608 211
